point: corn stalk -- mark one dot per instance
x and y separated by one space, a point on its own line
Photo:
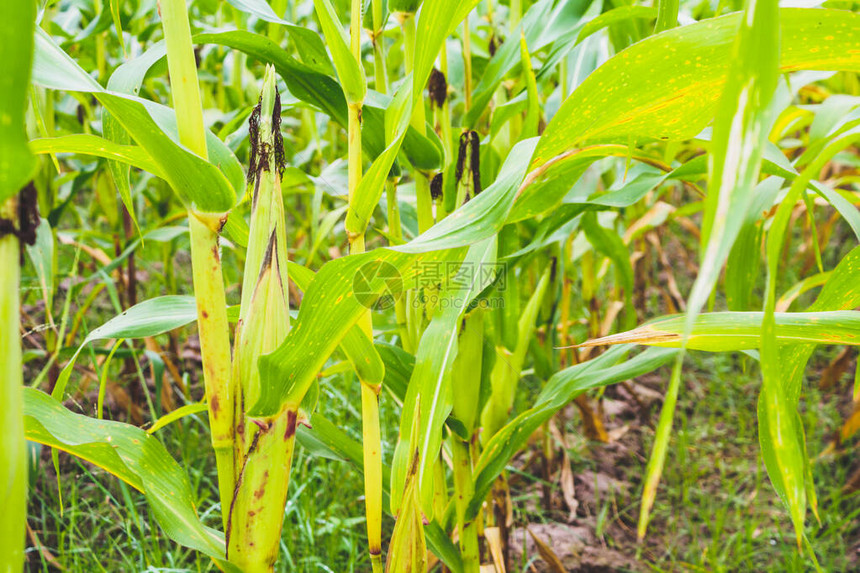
263 450
13 449
205 255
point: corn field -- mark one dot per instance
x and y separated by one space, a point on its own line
354 285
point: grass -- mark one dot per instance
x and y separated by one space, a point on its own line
715 514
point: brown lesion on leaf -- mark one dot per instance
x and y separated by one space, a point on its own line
476 161
271 249
214 406
238 486
261 491
291 425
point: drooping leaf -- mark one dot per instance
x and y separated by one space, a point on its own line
734 331
133 456
84 144
148 318
201 186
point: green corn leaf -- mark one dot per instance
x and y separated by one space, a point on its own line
591 23
743 263
429 394
407 552
667 18
533 26
177 414
200 185
84 144
676 78
42 256
532 119
127 78
466 371
398 368
505 375
356 346
148 318
133 456
734 331
614 16
608 368
350 71
117 23
328 311
484 215
781 435
16 168
740 132
308 43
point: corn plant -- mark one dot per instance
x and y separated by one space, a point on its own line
514 193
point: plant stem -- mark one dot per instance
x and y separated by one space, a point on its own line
464 489
371 441
667 15
445 130
379 72
205 258
215 351
467 65
424 203
13 448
